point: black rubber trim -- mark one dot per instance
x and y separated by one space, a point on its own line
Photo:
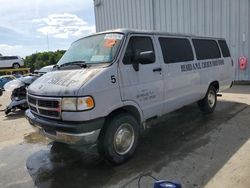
64 126
232 84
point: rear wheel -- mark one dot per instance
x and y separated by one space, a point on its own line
16 65
118 140
208 104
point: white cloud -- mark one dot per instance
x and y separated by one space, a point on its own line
6 49
63 26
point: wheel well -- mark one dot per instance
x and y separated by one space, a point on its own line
216 85
126 109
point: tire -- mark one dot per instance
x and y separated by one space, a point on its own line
208 104
16 66
123 127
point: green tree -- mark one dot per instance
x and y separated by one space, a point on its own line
41 59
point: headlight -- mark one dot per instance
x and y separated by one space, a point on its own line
78 103
69 104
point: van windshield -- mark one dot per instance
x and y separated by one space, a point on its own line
94 49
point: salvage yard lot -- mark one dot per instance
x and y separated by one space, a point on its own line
185 146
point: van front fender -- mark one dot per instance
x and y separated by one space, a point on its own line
130 107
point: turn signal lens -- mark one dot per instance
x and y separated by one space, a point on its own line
85 103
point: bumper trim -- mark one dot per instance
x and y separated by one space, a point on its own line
79 133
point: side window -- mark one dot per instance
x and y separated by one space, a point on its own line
176 50
135 46
206 49
224 48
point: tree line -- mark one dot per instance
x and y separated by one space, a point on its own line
41 59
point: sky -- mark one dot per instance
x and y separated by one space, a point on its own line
29 26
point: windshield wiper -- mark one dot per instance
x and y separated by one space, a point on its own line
81 64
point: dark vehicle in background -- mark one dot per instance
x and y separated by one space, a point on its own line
18 96
5 79
18 88
44 70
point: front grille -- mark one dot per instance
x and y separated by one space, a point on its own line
48 104
49 113
45 106
33 109
31 100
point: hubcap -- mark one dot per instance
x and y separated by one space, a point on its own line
124 139
211 98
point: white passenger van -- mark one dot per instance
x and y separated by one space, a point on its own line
109 85
11 62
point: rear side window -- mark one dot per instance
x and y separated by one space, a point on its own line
13 57
224 48
206 49
176 50
8 57
135 46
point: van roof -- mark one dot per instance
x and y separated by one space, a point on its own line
150 32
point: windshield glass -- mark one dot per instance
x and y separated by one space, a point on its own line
94 49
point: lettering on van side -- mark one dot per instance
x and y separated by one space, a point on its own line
146 95
201 65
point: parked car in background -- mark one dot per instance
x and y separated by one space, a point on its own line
11 62
19 86
5 79
44 70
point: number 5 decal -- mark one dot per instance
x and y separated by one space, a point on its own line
113 79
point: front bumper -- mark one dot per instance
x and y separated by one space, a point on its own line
78 133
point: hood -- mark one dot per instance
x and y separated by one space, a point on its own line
62 83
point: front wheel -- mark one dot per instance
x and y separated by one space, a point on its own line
16 66
208 104
118 139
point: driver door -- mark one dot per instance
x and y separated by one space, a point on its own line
145 86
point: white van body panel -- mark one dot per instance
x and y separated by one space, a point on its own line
180 88
145 87
62 83
104 88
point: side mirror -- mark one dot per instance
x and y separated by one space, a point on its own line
146 57
136 66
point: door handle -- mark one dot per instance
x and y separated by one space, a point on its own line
157 70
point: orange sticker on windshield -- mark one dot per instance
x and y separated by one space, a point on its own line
109 43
